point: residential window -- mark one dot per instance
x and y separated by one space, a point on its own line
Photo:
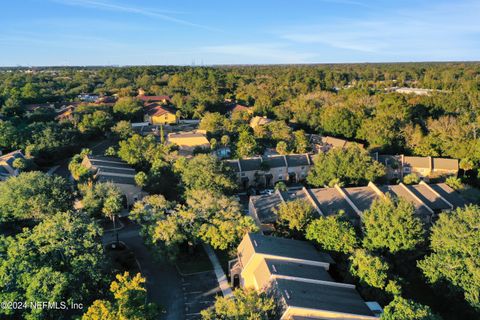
243 174
280 177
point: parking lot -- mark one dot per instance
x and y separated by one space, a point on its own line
199 292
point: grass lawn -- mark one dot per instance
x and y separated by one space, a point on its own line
197 261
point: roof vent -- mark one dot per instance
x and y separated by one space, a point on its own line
274 269
255 243
286 294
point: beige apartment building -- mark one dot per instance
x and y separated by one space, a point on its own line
296 274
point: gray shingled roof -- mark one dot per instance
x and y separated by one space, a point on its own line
116 179
274 161
445 164
251 164
297 160
362 197
330 201
418 162
282 247
428 197
233 165
299 270
322 297
400 192
449 194
264 205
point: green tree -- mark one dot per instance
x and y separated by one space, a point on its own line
225 140
411 178
282 147
159 224
12 107
350 166
294 215
300 141
128 108
333 233
391 224
213 123
403 309
245 305
339 121
141 179
123 129
371 270
78 171
246 145
139 151
97 122
455 242
204 172
9 135
60 259
95 195
33 195
217 219
20 163
454 183
129 301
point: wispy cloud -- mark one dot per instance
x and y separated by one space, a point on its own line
441 31
165 15
270 52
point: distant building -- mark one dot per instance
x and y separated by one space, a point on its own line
188 142
66 113
158 114
322 144
6 164
428 199
266 171
259 121
116 171
232 107
88 97
296 274
399 166
415 91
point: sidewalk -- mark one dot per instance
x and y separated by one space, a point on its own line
221 277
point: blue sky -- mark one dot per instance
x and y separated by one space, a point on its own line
183 32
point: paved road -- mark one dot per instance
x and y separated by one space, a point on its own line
200 291
164 284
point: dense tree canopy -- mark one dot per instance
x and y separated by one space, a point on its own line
245 305
455 242
204 172
294 215
391 224
33 195
347 166
212 217
403 309
373 271
333 233
60 259
129 301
